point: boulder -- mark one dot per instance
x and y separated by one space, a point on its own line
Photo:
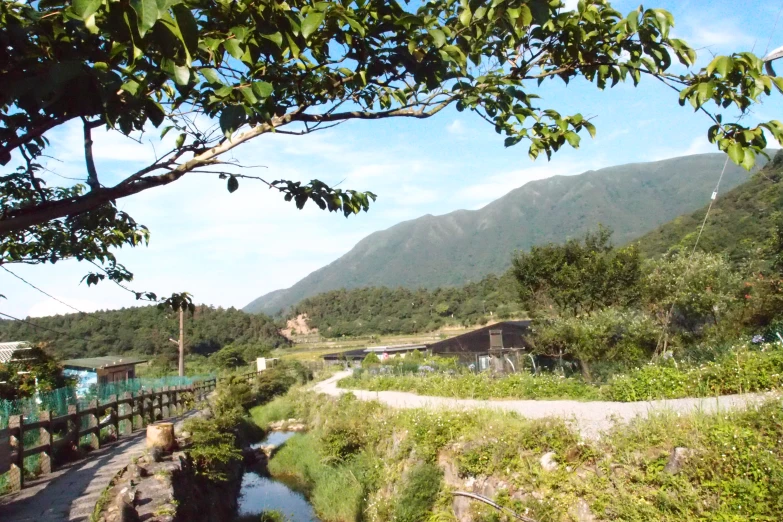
548 461
677 459
580 512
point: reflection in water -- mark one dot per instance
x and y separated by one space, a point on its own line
264 494
260 493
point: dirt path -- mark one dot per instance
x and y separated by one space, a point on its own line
590 418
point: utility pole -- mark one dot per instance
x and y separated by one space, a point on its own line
181 343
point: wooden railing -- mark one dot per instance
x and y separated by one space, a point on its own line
145 408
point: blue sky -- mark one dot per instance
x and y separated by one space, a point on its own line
227 249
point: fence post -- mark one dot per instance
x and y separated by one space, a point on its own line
125 406
95 436
156 406
137 421
177 409
16 473
45 438
72 426
165 401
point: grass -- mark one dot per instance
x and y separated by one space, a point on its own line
741 370
364 461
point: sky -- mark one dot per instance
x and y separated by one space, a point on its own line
227 249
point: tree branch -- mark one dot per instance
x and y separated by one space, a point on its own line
92 173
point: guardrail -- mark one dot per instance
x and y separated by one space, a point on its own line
145 408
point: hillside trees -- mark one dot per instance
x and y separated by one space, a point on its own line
146 331
213 75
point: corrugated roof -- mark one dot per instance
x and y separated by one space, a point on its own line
7 350
398 348
106 361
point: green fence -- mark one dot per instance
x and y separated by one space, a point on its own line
58 400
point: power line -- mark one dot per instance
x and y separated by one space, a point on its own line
43 292
37 325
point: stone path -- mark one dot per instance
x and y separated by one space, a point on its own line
589 417
70 493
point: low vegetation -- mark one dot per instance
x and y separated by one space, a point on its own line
745 368
361 460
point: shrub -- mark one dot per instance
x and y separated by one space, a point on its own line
419 492
213 449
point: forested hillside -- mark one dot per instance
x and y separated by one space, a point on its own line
144 331
466 245
381 310
742 223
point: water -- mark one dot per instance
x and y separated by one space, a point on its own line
276 438
259 493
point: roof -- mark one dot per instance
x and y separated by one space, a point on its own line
7 350
106 361
477 341
399 348
350 354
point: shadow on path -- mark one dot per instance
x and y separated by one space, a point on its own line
70 493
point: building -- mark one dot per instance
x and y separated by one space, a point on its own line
497 347
101 370
9 350
383 353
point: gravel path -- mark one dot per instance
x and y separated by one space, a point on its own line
590 418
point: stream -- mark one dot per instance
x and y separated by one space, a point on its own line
261 493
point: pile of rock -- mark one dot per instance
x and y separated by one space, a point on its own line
288 425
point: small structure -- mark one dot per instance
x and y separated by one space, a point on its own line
262 363
497 347
383 353
9 350
101 370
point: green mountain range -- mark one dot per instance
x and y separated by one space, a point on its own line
741 223
465 245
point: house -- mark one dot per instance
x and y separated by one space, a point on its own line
9 350
383 353
497 347
101 370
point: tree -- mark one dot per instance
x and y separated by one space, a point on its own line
28 367
257 67
578 276
228 357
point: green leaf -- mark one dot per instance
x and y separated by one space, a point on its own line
276 38
525 16
233 48
146 14
311 22
85 8
438 36
572 138
231 119
590 128
465 16
736 153
210 75
180 140
263 89
232 184
181 74
188 27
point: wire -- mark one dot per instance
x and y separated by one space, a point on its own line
37 325
43 292
709 208
775 26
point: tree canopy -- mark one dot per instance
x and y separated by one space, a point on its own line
217 74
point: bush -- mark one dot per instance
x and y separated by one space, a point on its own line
419 493
213 449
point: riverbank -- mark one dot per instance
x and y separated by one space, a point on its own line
362 460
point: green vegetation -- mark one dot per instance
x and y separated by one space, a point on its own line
465 246
732 465
382 311
146 331
738 370
18 376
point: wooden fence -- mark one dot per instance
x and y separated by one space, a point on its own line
145 408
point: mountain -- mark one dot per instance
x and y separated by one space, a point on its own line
741 224
466 245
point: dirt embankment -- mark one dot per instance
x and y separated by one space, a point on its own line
298 326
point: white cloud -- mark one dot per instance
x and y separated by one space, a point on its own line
51 307
699 145
570 5
456 127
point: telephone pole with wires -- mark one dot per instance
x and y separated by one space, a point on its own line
181 342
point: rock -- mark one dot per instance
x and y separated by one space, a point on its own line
124 504
548 461
156 454
677 459
580 512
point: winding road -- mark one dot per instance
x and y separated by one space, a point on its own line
589 417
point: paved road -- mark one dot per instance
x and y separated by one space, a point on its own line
590 418
70 493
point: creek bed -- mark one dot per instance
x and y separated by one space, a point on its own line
259 493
